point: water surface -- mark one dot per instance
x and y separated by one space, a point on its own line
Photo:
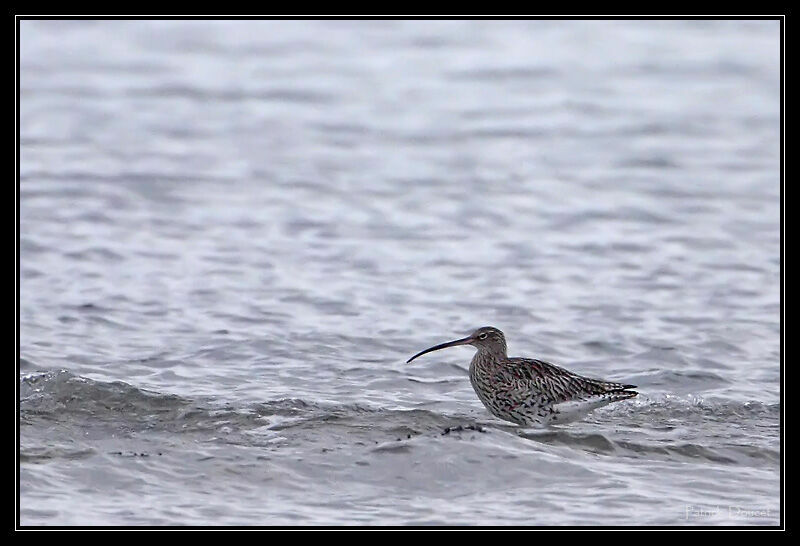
233 234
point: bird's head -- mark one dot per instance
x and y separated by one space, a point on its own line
487 339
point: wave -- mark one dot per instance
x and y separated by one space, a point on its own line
665 428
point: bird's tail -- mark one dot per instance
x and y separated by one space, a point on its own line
622 394
576 409
614 391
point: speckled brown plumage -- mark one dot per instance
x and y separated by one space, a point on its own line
527 391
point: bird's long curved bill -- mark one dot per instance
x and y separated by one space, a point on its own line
464 341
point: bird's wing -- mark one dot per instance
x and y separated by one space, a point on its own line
560 385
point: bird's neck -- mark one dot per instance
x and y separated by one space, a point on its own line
492 354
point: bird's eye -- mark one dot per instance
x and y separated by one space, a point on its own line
483 336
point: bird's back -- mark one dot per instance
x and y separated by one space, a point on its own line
560 384
531 391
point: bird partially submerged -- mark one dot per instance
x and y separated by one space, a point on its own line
527 391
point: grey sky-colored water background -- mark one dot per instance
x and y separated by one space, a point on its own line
234 233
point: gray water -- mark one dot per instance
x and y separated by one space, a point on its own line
233 234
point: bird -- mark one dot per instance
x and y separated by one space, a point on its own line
528 391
